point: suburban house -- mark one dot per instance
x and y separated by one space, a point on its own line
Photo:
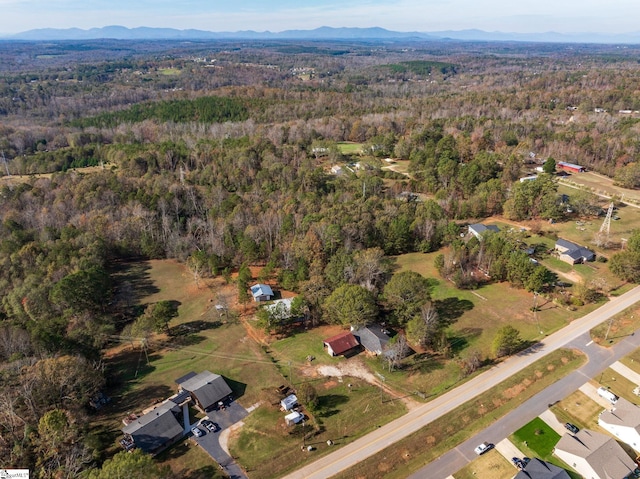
341 343
478 229
595 455
373 338
572 253
623 421
159 428
206 388
261 292
571 167
539 469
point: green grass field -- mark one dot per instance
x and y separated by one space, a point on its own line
349 148
536 439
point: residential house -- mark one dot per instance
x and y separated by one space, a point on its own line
478 229
341 343
158 429
373 338
539 469
572 253
206 388
261 292
623 421
595 455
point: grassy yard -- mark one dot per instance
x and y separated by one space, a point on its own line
410 454
491 465
618 327
578 409
268 448
349 148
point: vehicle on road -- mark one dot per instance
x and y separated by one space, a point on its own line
482 448
572 427
197 432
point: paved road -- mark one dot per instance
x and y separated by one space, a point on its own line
417 418
599 359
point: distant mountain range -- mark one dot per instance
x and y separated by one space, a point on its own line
322 33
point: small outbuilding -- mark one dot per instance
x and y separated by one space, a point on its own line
261 292
289 402
293 418
341 343
572 167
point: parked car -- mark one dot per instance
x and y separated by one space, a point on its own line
572 427
210 426
197 432
482 448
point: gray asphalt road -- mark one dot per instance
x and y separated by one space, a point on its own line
396 430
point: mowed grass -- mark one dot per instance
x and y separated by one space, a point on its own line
617 328
414 451
601 185
169 71
269 448
491 465
536 439
349 148
578 409
203 343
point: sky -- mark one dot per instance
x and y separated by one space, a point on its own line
528 16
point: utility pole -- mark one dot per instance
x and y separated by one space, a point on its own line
535 311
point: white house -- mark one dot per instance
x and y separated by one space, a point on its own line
623 421
261 292
595 455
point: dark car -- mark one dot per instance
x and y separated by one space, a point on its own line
572 428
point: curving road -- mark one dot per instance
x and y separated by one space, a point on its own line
572 335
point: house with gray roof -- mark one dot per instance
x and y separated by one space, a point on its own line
374 338
572 253
158 429
539 469
623 421
206 388
478 229
595 455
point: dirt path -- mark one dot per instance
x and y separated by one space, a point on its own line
354 368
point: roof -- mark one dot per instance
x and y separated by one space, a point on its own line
261 290
623 414
480 228
153 430
573 250
570 165
605 456
341 343
563 243
290 401
539 469
207 387
286 302
373 338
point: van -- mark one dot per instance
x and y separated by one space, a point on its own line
608 395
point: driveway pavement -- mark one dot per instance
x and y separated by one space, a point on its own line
508 449
210 442
592 392
628 373
552 421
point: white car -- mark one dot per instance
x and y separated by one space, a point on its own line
196 431
482 448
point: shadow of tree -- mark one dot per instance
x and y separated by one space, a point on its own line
237 387
423 363
328 404
460 340
450 309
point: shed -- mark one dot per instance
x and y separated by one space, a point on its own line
571 167
261 292
289 402
341 343
478 229
293 418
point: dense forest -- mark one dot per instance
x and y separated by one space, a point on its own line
219 154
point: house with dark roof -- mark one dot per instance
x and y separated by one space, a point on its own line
374 338
595 455
623 421
572 253
341 343
206 388
478 229
539 469
158 429
261 292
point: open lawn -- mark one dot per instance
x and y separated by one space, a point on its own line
578 409
349 148
410 454
600 184
200 340
269 448
491 465
617 383
536 439
618 327
169 71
